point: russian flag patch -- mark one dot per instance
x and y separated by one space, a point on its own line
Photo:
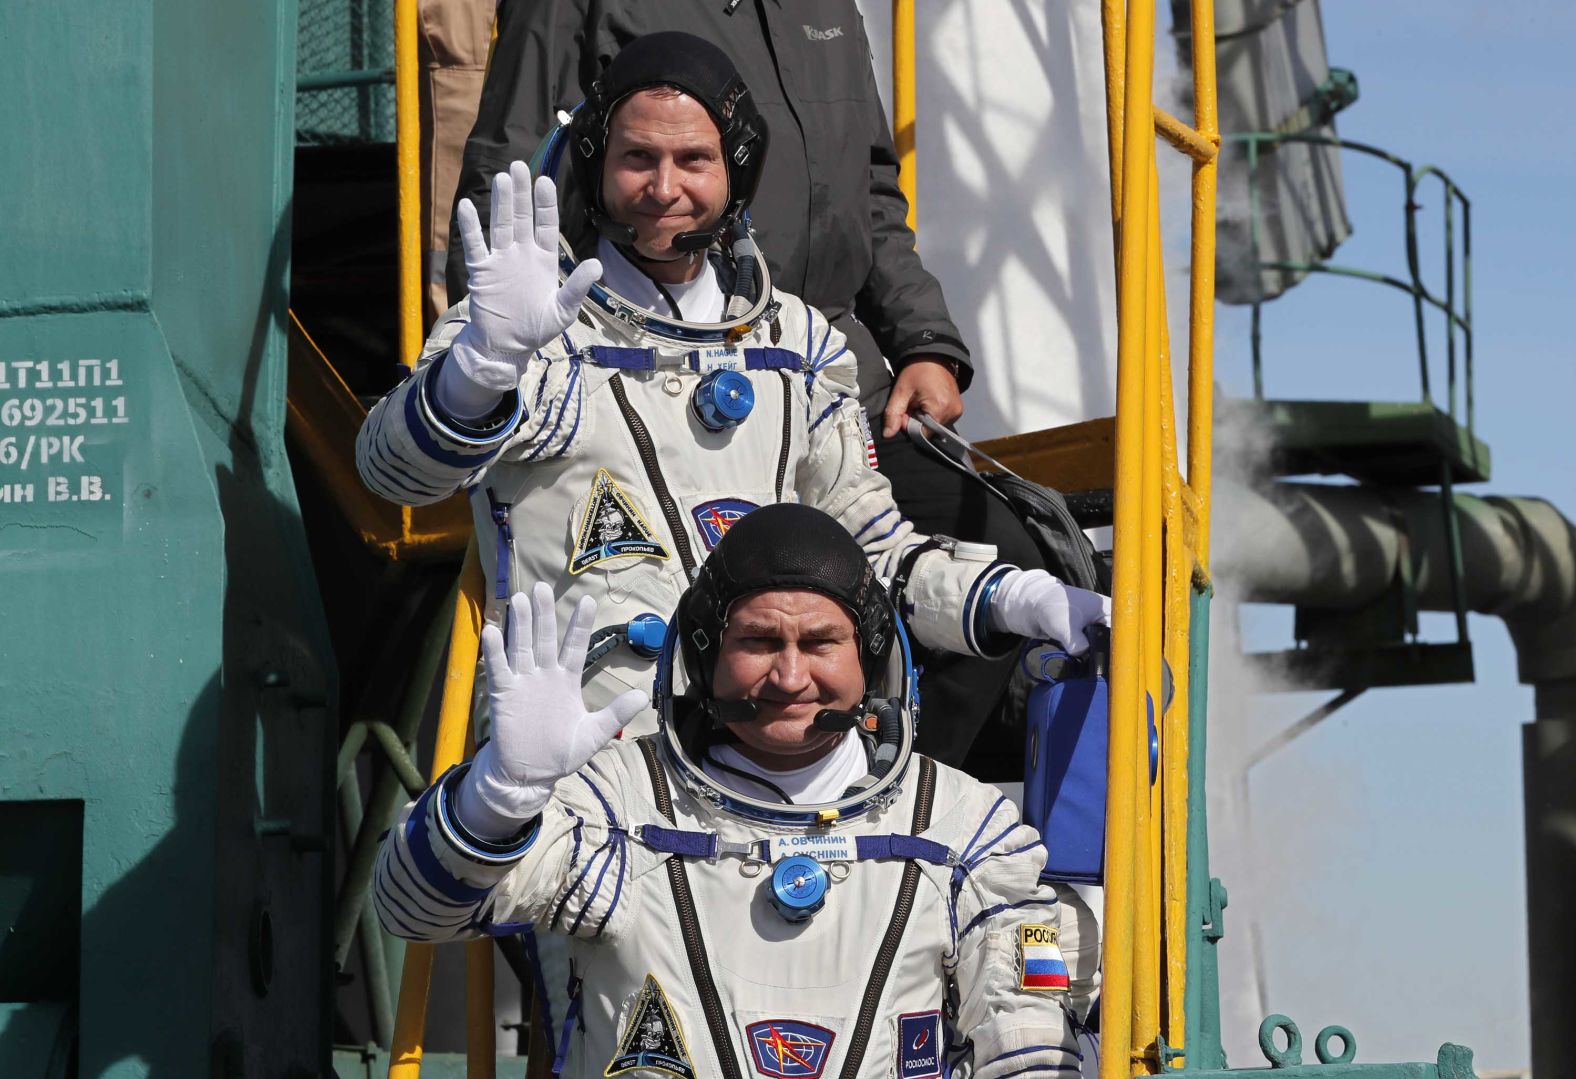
1040 959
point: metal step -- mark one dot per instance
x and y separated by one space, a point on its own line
1372 667
1393 443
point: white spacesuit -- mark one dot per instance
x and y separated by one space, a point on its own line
610 446
600 476
897 930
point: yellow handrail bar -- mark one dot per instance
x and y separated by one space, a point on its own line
407 157
1193 143
1161 537
1201 276
1124 838
903 106
1173 722
1146 937
1113 33
454 720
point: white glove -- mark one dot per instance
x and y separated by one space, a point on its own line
1032 603
541 731
516 303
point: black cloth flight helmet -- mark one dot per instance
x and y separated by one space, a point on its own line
783 546
786 546
704 72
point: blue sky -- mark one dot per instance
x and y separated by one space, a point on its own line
1390 838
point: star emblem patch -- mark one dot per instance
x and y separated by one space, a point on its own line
611 527
652 1039
788 1049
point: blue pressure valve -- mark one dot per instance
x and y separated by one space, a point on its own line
723 399
645 633
798 887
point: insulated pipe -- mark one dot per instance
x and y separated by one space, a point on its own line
1339 547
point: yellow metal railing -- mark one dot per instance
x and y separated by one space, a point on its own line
453 740
322 418
1161 541
407 157
903 104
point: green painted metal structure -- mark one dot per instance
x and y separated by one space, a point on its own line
164 673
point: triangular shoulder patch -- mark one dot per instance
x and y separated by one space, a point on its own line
611 527
652 1038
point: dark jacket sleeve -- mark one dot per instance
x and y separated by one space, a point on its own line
543 62
900 301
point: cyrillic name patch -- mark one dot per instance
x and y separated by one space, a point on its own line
919 1048
652 1038
823 847
611 527
714 518
1040 959
789 1049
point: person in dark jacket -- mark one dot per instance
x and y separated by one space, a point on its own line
831 222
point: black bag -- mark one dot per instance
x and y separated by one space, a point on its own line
1068 554
1067 551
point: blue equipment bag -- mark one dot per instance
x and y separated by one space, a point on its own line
1064 771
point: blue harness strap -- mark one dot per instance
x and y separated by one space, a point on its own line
570 1015
645 359
907 847
867 848
772 359
624 359
680 842
539 985
500 517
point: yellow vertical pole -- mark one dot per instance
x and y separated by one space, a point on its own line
410 1017
407 157
1146 939
1172 806
1201 366
903 104
1127 682
481 1033
454 718
1113 28
1201 300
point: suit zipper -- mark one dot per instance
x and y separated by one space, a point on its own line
659 485
782 458
887 954
689 928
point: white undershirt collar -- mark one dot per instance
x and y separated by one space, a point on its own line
700 300
814 784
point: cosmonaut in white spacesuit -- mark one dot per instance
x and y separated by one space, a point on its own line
771 885
611 433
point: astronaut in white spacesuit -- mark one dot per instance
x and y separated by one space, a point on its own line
773 884
611 433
